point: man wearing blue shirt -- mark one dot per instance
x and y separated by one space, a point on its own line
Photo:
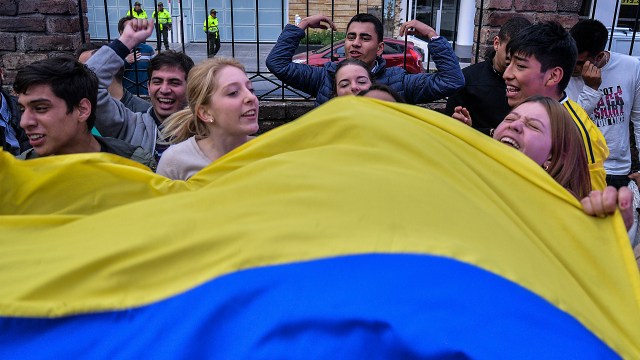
12 137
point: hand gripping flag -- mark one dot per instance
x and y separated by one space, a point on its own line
363 229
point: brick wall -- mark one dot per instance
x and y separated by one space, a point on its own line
497 12
31 30
343 10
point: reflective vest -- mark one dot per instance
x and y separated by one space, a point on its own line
164 17
213 25
141 15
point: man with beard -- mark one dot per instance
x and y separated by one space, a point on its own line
167 89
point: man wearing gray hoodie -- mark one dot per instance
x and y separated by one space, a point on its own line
167 89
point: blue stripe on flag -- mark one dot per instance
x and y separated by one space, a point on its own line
386 306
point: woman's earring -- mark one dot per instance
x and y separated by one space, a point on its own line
545 166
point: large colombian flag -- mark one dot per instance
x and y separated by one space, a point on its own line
362 230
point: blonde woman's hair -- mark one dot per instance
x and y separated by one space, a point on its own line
202 83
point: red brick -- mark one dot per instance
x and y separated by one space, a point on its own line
538 5
49 7
29 23
498 18
9 79
59 7
572 6
7 42
28 7
566 20
15 61
487 35
65 24
484 50
498 4
53 54
8 7
48 42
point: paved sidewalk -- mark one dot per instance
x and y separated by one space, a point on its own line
265 85
245 53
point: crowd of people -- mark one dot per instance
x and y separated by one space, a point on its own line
556 96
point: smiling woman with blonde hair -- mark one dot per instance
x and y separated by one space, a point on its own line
222 115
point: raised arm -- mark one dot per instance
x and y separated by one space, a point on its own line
113 119
136 31
421 88
280 60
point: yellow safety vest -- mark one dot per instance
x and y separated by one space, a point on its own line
141 15
164 17
213 24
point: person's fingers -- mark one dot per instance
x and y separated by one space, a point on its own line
627 217
401 30
587 206
333 26
142 24
635 177
625 197
137 24
596 206
585 67
407 28
609 200
625 203
458 116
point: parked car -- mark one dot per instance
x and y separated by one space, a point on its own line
393 53
622 39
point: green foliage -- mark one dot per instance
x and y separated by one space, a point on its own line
322 37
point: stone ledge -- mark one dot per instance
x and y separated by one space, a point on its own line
276 113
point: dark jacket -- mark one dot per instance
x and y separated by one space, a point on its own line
484 95
14 122
318 81
112 146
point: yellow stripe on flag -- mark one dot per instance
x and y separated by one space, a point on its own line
354 176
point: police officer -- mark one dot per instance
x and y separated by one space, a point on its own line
213 33
163 24
138 11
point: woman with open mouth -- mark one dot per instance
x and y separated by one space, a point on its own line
542 129
222 115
